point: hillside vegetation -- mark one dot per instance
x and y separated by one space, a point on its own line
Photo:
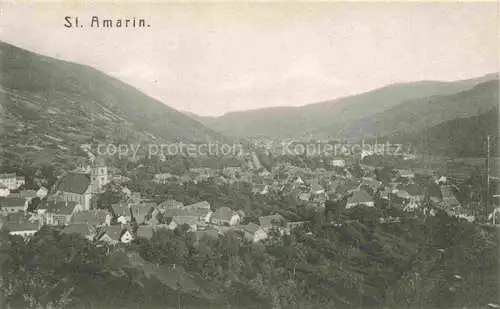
329 118
424 113
437 262
49 107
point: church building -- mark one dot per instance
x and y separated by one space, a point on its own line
83 184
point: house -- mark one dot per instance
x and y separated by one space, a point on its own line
343 186
120 179
115 234
94 217
245 176
367 167
18 216
356 171
191 221
141 211
136 197
124 213
317 189
57 211
319 200
20 181
268 223
405 173
369 171
337 162
85 230
219 180
164 178
366 153
225 216
4 190
231 171
293 225
299 181
441 180
199 205
13 204
185 178
170 204
411 195
27 194
127 192
371 184
205 171
200 178
121 210
209 232
304 197
153 218
42 192
310 179
260 189
411 202
203 215
424 172
449 200
359 197
253 232
145 231
11 180
24 228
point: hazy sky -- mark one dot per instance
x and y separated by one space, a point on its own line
214 58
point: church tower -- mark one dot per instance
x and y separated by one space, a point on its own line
99 175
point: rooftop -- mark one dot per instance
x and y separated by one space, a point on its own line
74 183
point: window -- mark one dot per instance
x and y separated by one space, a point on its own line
60 220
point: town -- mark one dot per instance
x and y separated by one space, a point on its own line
249 155
101 203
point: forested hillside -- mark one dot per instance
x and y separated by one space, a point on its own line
433 262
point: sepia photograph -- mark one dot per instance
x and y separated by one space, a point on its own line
249 154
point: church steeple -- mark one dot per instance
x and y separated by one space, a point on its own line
99 175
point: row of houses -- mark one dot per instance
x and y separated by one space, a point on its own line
14 202
403 189
11 181
58 211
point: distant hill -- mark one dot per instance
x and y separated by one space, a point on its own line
324 119
199 118
49 106
462 137
419 114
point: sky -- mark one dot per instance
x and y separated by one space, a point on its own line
213 58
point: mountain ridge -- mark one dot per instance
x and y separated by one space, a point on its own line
51 105
309 118
421 113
